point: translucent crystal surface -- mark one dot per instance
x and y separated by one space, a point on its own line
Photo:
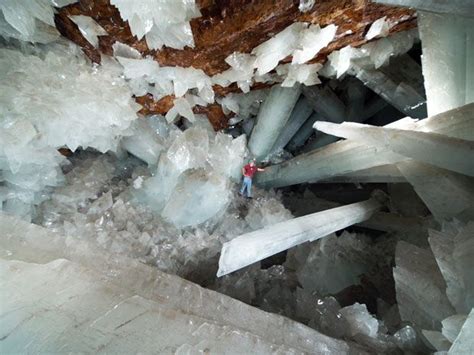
31 21
89 28
163 22
252 247
420 287
316 165
312 40
447 43
452 154
272 118
359 320
78 291
379 28
58 98
464 343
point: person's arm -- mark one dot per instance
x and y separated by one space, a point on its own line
243 171
260 169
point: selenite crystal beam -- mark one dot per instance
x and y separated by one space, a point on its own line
348 156
298 117
272 118
403 95
432 148
304 132
260 244
448 59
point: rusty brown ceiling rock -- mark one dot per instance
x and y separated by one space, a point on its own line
228 26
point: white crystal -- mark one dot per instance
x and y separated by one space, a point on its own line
451 153
31 21
255 246
125 51
269 53
379 28
163 22
306 74
272 118
464 343
57 101
359 320
447 59
312 40
327 162
89 28
452 326
306 5
420 287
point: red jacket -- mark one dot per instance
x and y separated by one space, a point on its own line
250 170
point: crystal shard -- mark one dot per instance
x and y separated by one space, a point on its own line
379 28
89 28
445 193
255 246
313 39
464 343
420 287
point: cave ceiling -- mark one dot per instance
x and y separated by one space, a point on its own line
228 26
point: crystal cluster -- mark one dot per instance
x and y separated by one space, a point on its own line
50 102
162 22
30 21
190 86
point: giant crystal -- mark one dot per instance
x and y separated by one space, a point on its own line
448 59
255 246
76 291
451 153
271 119
348 156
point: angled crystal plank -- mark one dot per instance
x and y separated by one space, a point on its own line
255 246
432 148
348 156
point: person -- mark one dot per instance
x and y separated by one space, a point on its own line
248 171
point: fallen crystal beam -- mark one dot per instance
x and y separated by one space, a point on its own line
298 117
435 149
400 84
255 246
348 156
455 7
445 193
272 118
448 64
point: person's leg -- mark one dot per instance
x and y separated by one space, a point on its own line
249 188
242 189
